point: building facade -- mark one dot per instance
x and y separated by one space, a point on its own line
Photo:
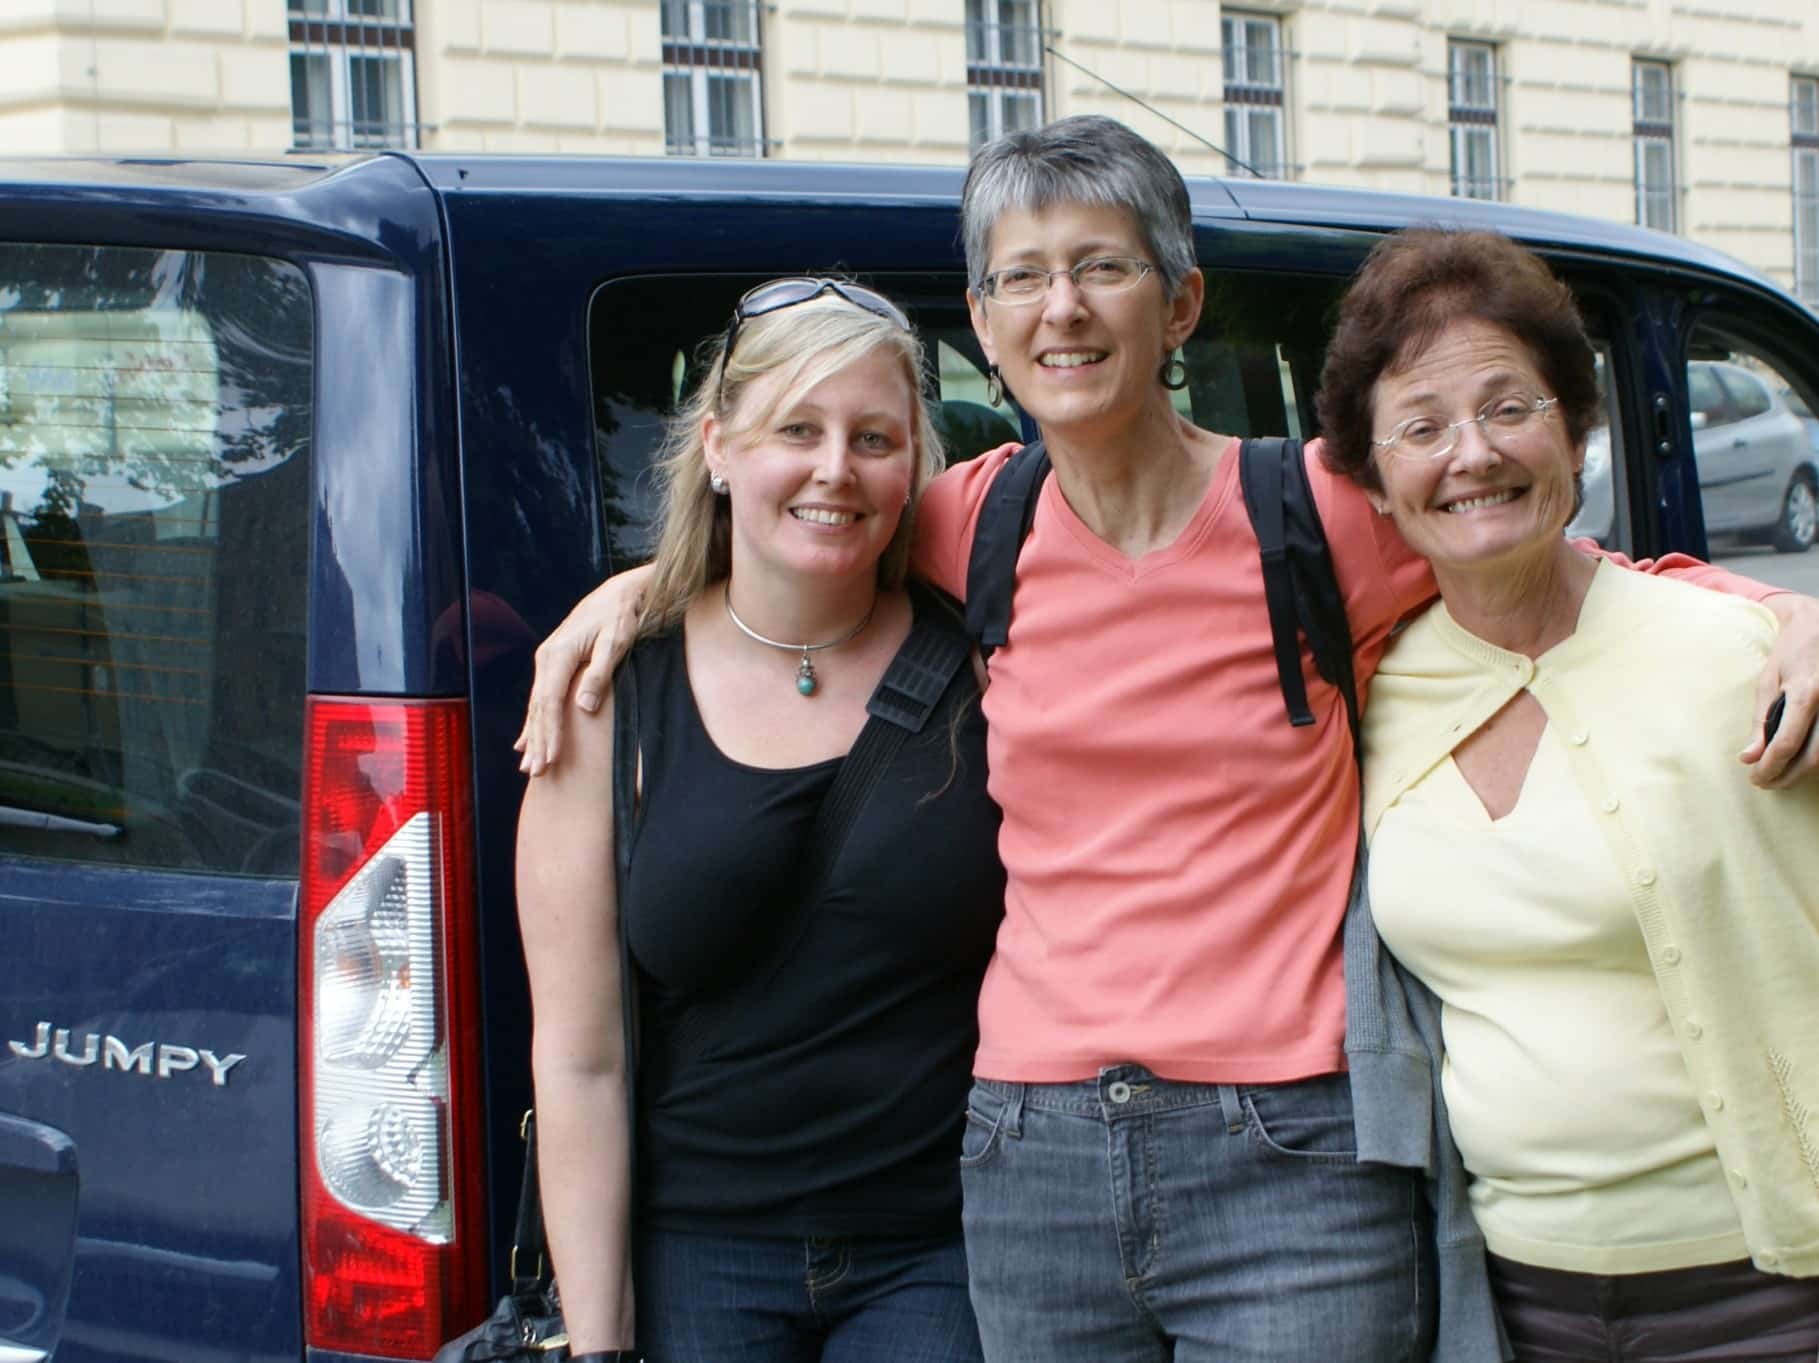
1694 116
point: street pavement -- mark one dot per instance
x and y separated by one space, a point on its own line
1797 572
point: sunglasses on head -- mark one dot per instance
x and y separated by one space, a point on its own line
778 294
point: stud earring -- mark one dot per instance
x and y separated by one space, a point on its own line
994 386
717 484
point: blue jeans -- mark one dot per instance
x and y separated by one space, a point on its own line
748 1299
1132 1219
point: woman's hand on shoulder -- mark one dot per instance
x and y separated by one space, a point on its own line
1792 671
591 641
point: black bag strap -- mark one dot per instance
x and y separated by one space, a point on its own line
900 705
625 827
1299 583
1004 523
529 1263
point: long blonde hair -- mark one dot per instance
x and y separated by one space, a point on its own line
808 343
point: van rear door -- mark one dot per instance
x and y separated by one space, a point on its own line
155 432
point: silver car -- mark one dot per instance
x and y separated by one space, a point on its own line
1758 471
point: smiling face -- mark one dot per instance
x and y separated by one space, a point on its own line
1489 502
818 490
1080 359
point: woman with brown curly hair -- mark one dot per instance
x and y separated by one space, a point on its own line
1621 929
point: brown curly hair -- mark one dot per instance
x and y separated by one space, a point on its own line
1414 284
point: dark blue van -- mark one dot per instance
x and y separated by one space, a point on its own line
297 462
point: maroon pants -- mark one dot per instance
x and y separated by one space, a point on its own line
1723 1313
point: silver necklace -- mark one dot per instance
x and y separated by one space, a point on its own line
806 681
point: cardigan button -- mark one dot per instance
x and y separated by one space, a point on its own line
1737 1177
1578 738
1608 804
1670 955
1645 876
1715 1101
1693 1029
1767 1260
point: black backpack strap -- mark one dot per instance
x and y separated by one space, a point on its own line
1299 584
1004 523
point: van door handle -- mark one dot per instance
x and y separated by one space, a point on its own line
1664 428
36 1148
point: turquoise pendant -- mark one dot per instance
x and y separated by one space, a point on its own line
805 677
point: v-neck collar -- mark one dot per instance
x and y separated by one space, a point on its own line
1117 564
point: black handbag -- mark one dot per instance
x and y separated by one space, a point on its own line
526 1326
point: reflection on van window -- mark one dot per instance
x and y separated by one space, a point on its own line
1253 366
1758 457
154 502
1603 513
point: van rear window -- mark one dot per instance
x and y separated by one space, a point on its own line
154 505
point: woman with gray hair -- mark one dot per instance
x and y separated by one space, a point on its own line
1203 1109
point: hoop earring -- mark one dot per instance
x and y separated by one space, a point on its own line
1173 373
994 386
717 484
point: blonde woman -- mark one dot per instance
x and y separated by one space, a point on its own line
796 1194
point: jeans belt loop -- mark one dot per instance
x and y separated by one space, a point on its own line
1230 1105
1011 1122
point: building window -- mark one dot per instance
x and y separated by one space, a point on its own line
1652 98
713 84
353 74
1804 106
1003 67
1472 113
1255 136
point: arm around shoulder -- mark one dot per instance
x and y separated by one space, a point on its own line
577 660
1792 670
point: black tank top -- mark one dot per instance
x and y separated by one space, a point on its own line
833 1104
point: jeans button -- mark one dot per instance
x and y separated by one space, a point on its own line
1119 1092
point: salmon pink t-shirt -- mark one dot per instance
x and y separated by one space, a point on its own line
1178 855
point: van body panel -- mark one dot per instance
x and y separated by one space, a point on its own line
151 1021
1333 205
186 1246
386 613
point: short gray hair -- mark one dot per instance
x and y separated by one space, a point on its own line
1087 159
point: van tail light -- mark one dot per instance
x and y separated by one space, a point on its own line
394 1257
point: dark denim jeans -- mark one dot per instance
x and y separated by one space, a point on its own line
1721 1313
1132 1219
747 1299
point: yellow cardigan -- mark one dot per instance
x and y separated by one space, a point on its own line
1654 695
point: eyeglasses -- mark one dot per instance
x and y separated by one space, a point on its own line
1100 274
778 294
1504 418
